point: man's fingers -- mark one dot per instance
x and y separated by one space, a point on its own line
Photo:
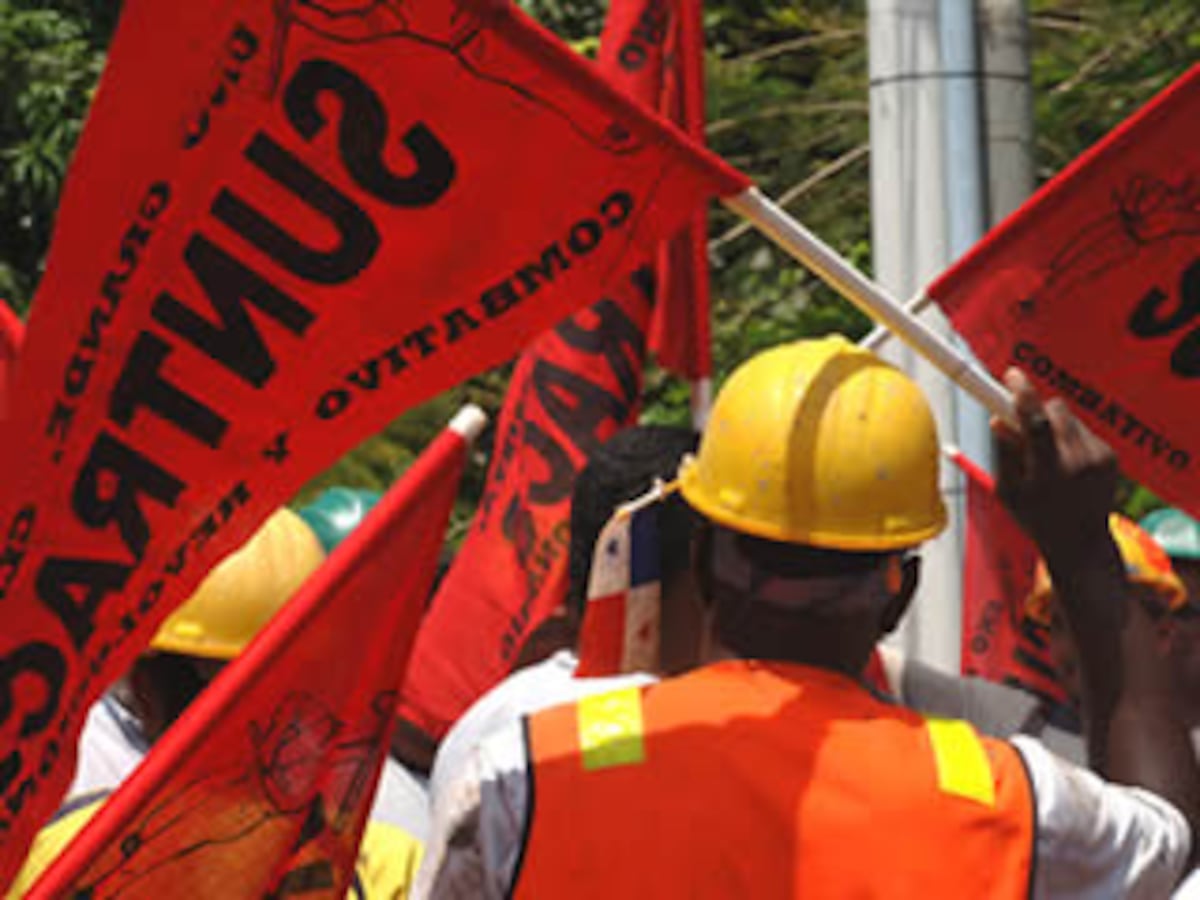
1041 449
1009 452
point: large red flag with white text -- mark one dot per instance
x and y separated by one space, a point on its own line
285 223
572 389
273 769
999 642
1093 288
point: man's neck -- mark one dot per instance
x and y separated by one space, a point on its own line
717 652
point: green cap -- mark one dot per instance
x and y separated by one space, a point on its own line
1175 531
336 513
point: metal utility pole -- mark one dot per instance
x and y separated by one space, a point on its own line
909 239
951 136
951 141
1008 104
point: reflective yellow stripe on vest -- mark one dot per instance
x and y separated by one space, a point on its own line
610 729
963 766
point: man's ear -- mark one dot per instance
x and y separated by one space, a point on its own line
903 575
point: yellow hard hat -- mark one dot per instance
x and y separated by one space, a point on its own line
819 442
244 591
1145 563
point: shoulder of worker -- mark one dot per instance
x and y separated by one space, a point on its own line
479 821
1099 839
549 683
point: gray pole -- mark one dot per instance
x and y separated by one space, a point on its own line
909 243
1008 104
965 176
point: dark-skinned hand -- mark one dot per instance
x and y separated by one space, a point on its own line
1054 475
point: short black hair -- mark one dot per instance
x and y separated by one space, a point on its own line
622 469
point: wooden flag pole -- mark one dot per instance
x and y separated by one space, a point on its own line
823 261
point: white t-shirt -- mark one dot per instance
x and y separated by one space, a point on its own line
111 746
1095 840
551 682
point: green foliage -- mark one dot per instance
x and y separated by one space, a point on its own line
49 63
787 102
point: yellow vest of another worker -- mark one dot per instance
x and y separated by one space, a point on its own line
766 780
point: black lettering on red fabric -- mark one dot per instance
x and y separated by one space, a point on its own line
458 322
632 57
555 487
578 406
585 237
333 403
362 136
358 239
110 486
421 339
99 319
141 385
15 547
231 287
366 376
616 207
240 47
498 299
533 275
1155 317
79 370
518 528
615 337
650 30
43 663
74 589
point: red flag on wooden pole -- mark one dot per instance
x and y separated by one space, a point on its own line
273 768
573 388
1093 288
681 334
567 395
999 642
330 213
653 50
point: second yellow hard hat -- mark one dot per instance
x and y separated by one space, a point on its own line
244 591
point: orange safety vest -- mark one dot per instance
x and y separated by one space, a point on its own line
747 779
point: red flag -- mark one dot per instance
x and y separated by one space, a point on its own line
12 336
572 389
999 642
273 769
1093 287
681 332
331 211
653 50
